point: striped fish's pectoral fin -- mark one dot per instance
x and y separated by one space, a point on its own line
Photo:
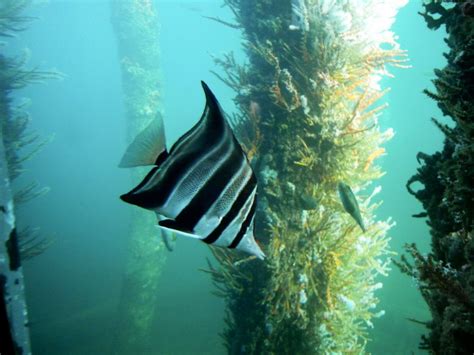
172 225
148 147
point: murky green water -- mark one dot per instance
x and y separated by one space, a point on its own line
73 288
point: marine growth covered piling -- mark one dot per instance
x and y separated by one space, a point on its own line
446 275
309 100
136 26
14 135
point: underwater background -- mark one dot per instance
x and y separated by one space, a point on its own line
73 288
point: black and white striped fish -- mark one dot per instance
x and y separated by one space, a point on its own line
204 186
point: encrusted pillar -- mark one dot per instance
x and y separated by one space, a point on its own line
136 27
309 102
445 276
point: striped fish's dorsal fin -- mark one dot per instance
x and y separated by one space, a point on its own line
148 147
211 121
212 104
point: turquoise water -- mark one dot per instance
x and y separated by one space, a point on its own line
73 288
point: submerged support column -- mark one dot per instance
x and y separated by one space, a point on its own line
136 27
445 276
309 102
15 136
14 334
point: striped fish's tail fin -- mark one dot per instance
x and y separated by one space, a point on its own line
249 245
148 147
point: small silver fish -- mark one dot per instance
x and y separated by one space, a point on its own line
350 204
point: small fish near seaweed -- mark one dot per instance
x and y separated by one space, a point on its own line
204 187
349 202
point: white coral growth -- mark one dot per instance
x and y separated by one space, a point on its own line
366 22
299 16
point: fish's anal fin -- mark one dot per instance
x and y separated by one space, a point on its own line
172 225
148 147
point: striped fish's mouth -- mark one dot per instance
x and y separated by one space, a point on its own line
205 184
